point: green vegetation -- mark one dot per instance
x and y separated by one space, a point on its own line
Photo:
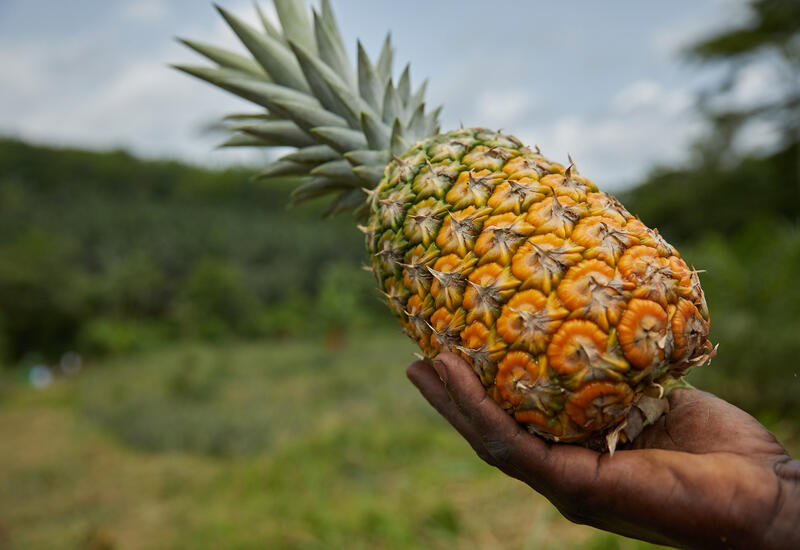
739 226
265 445
736 214
99 252
107 253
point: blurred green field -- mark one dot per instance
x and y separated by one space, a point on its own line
274 445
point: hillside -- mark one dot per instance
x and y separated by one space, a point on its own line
105 252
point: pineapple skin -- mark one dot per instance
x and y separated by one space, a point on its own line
569 309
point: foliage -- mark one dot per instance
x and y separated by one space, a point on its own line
686 203
214 300
767 43
772 24
344 296
269 445
111 253
754 306
735 214
741 226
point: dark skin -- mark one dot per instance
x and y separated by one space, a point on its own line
706 475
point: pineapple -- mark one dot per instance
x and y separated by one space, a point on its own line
574 315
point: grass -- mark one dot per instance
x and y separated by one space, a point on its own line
276 445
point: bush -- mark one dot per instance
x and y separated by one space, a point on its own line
109 336
750 282
214 301
346 296
94 246
293 316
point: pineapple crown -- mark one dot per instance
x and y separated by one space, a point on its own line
346 122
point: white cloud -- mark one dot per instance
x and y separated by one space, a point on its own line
613 152
649 94
643 124
755 83
616 142
20 75
144 10
639 94
104 88
758 135
498 108
140 104
670 41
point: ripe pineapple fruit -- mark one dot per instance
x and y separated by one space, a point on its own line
572 312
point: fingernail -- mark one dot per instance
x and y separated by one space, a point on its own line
440 369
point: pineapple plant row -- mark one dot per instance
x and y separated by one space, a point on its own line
574 315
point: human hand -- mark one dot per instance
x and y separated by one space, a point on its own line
705 475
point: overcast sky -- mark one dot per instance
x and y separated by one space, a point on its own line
600 80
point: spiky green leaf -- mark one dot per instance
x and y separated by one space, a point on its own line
309 116
244 140
392 107
399 144
258 91
369 175
377 133
346 201
282 168
415 130
432 122
368 157
329 19
419 96
369 85
279 132
225 58
270 29
250 116
316 187
274 57
294 20
340 139
339 170
267 93
332 52
404 86
327 86
346 121
218 76
313 155
384 65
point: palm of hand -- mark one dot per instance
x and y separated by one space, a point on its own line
707 474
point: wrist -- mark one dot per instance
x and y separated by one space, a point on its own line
783 530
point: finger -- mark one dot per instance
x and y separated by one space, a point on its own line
500 434
700 422
561 472
683 396
424 377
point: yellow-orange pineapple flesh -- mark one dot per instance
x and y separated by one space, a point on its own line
567 307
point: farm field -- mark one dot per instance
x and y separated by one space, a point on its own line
272 445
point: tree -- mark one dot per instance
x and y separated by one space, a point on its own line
764 46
